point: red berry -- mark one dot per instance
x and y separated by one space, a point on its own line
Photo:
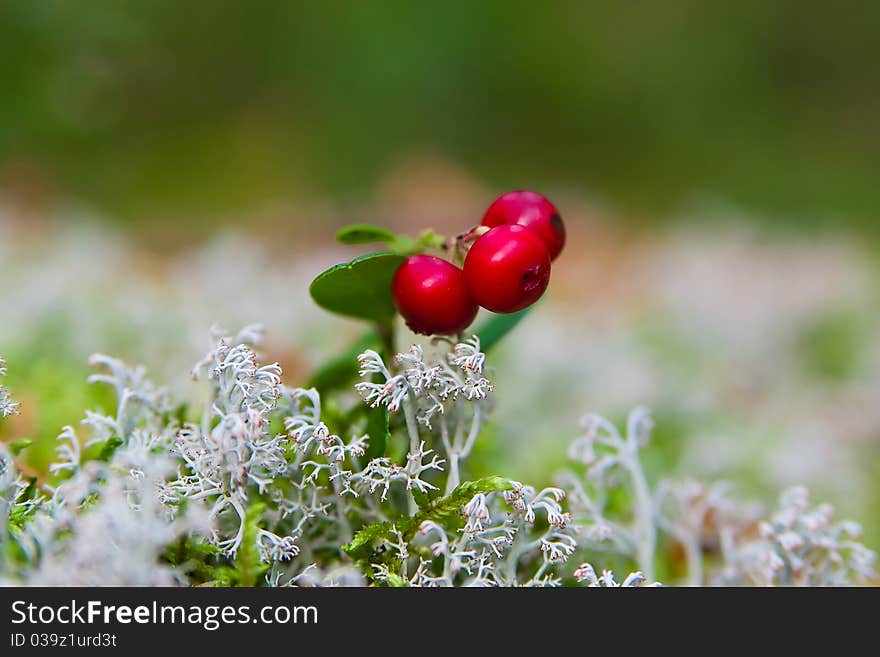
533 211
431 296
507 269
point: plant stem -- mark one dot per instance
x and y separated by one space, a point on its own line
694 560
646 532
454 476
344 525
385 331
413 431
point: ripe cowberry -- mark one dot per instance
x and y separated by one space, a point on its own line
507 269
431 296
533 211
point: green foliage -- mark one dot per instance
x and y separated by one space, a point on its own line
364 234
360 288
378 428
14 551
496 327
400 244
178 414
54 392
394 580
195 557
408 246
19 514
367 537
444 510
340 371
17 446
248 568
425 499
108 448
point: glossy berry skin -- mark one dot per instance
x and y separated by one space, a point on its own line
533 211
431 296
507 269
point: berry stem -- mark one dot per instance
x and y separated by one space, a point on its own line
385 331
458 245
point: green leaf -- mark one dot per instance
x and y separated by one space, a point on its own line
360 288
364 234
109 447
399 244
430 240
30 491
394 580
89 501
342 370
448 508
366 537
178 414
495 328
195 557
378 430
408 246
426 499
248 565
19 514
441 510
17 446
246 570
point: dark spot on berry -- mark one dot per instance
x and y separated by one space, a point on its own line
556 220
530 278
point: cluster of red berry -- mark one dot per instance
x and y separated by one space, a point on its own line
507 268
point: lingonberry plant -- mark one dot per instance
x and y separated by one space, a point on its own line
362 476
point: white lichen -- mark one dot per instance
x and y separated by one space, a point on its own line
259 483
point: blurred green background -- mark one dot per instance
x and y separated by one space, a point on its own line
154 110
